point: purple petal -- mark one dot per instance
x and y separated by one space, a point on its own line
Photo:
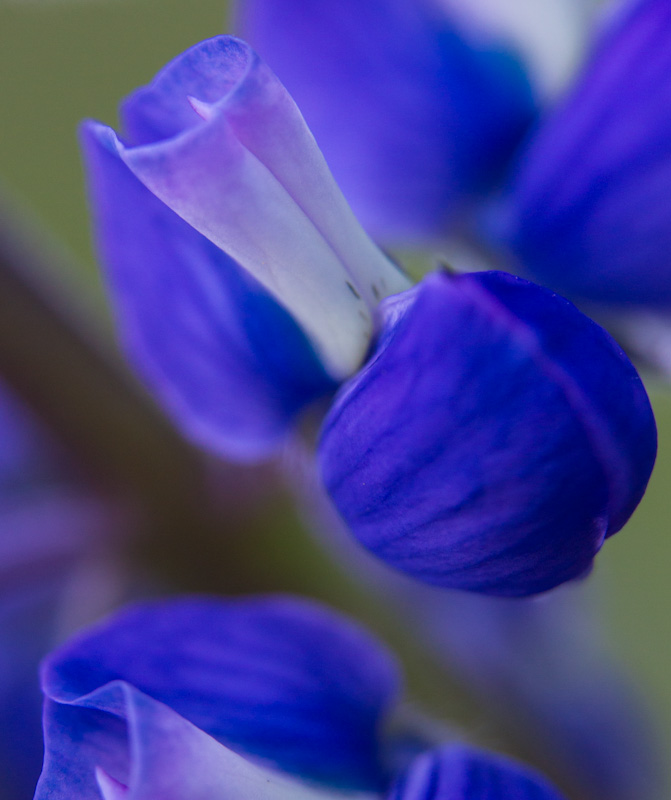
283 680
221 142
588 212
228 362
410 116
495 438
464 773
117 742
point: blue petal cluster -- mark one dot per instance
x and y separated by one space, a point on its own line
161 700
540 465
495 436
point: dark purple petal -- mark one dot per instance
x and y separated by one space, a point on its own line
410 116
117 742
464 773
280 679
493 441
224 358
588 212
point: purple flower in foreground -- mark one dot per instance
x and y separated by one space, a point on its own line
234 700
494 437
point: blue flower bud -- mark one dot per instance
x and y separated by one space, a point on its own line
496 437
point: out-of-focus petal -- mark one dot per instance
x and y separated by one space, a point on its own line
117 742
493 441
549 35
50 530
227 361
412 118
219 140
588 210
464 773
543 665
283 680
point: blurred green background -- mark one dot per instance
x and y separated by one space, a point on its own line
62 61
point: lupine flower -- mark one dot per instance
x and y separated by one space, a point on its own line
584 207
494 437
49 531
257 698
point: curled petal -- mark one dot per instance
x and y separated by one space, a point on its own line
495 438
411 116
117 742
588 210
282 680
219 140
225 359
464 773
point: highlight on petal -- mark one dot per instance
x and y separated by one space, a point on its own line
549 35
283 680
229 364
464 773
587 211
412 117
219 140
493 441
117 742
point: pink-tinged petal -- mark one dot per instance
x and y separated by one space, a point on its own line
226 361
280 679
251 179
116 743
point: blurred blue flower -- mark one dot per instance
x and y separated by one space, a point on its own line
583 194
257 698
494 437
413 117
587 209
50 530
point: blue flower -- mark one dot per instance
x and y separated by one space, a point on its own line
584 191
587 210
413 117
258 698
494 436
49 527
